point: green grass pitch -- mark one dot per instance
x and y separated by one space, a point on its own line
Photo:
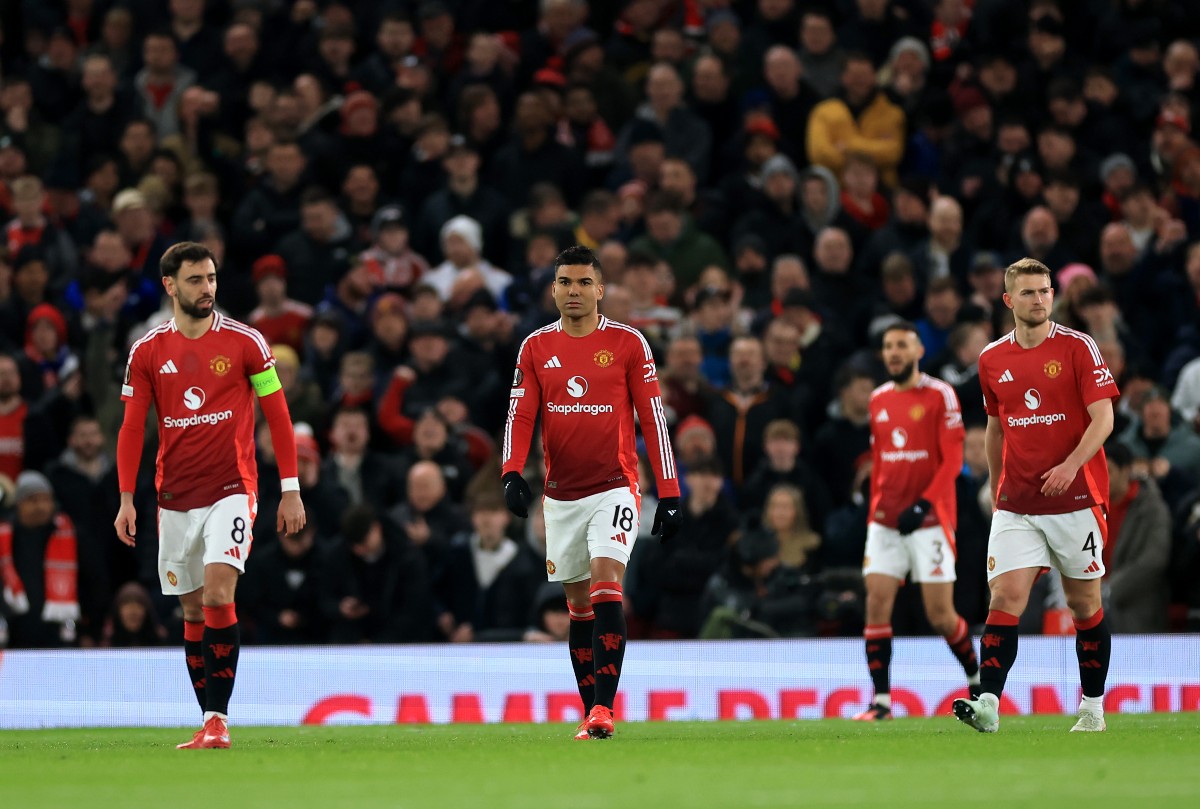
1144 761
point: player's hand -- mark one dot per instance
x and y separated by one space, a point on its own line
126 524
290 518
912 517
517 495
667 519
1059 479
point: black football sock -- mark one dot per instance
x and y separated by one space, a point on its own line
579 640
608 640
1093 647
222 641
193 650
878 638
960 644
998 650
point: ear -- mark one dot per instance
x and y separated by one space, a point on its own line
599 292
169 286
1008 300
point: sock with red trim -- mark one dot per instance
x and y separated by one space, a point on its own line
193 651
579 641
998 650
608 640
1093 647
222 641
960 644
878 638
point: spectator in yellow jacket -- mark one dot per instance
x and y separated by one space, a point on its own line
860 119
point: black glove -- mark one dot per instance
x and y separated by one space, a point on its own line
667 519
516 494
910 519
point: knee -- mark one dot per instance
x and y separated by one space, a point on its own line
1083 605
1005 599
944 622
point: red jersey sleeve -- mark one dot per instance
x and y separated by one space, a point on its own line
642 377
951 435
256 358
1092 376
136 393
524 401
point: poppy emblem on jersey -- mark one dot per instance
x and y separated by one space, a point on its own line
220 365
899 438
1052 368
518 378
577 386
916 413
171 578
604 357
550 568
193 398
991 563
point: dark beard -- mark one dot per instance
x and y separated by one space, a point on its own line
193 310
904 375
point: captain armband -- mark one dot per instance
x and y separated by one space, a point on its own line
266 382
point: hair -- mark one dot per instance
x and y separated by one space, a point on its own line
1119 454
184 253
706 465
857 158
597 202
491 499
901 325
200 183
1024 266
576 256
316 195
357 522
896 266
781 428
664 202
944 284
960 334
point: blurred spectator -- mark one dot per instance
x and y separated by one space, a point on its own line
464 195
1163 440
781 465
271 209
31 229
132 621
372 585
740 412
863 120
1137 549
161 83
280 318
672 235
40 568
756 595
845 436
465 270
318 253
279 594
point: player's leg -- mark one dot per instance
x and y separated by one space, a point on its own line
181 573
938 598
227 531
567 561
1017 552
877 637
885 564
612 531
1077 542
579 642
934 559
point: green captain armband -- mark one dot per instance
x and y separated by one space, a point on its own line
266 382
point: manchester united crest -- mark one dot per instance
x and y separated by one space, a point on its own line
991 563
1052 368
171 578
604 357
220 365
916 413
550 567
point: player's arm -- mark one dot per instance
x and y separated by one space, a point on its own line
524 402
951 436
1060 478
993 444
260 365
136 393
641 375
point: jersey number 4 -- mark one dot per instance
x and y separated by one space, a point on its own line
1089 544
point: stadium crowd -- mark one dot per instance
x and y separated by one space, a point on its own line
768 184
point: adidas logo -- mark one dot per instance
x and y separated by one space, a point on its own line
882 417
168 368
553 362
1006 376
1094 567
235 553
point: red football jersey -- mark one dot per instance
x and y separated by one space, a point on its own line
916 451
204 404
586 390
1041 396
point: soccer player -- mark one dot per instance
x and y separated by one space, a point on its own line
201 371
1048 396
917 452
585 375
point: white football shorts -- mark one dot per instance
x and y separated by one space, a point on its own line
599 525
1072 543
928 553
188 540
